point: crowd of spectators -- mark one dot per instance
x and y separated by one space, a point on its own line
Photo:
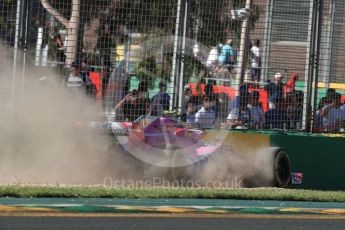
330 116
132 104
209 110
222 60
245 111
137 103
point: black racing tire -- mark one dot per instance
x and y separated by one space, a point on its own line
281 168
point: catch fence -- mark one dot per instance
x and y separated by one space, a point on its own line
234 64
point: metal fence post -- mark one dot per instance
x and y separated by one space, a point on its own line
15 56
317 56
183 53
308 83
242 54
175 61
329 46
267 40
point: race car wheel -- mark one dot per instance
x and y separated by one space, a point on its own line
281 168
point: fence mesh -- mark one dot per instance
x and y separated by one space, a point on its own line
233 64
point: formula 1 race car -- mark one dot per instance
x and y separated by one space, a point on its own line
163 147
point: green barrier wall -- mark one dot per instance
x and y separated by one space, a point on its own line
321 159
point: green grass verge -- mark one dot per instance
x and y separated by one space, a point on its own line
101 192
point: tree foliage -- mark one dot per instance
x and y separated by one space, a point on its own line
88 8
209 21
143 16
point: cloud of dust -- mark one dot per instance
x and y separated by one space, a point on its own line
40 138
250 169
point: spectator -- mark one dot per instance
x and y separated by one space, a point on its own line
119 107
205 117
275 90
343 107
90 88
187 96
190 113
143 87
219 71
143 99
276 118
196 50
328 99
318 125
255 73
198 54
290 84
318 121
239 118
116 89
257 116
208 92
132 106
295 109
243 93
227 54
213 57
214 99
161 101
75 81
197 101
333 116
186 99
